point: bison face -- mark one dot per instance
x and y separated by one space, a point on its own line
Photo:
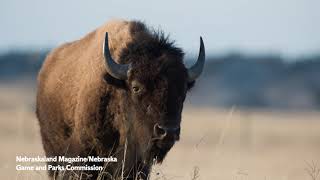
156 94
155 90
155 82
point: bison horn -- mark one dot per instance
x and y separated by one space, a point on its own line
118 71
195 70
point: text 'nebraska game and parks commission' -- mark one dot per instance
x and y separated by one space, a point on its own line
63 160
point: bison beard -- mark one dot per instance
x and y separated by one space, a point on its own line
88 104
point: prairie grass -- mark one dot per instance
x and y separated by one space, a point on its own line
221 144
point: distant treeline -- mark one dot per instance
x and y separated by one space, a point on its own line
266 81
20 64
231 79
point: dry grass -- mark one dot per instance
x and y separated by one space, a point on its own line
215 144
313 170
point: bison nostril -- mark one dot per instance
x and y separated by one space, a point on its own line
159 131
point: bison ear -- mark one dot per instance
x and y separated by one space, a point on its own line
115 82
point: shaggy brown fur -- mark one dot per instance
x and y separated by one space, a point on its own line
83 111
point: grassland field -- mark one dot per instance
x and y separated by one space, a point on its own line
215 144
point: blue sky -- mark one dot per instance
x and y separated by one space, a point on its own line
288 27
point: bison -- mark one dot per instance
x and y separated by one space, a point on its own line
119 92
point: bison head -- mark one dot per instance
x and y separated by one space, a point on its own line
155 81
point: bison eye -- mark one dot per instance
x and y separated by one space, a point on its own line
136 89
